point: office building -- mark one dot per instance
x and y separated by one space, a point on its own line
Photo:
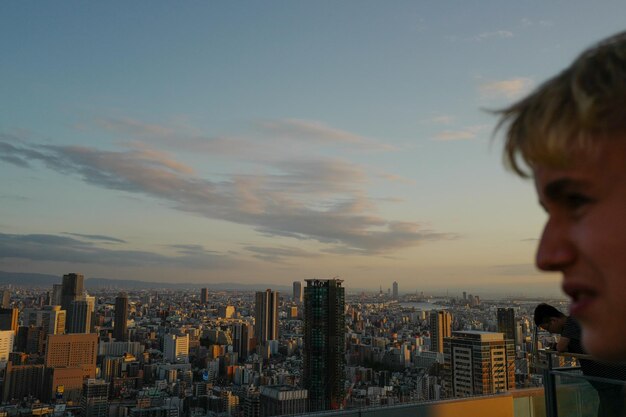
79 316
94 401
324 343
242 339
120 326
70 358
23 381
278 400
51 318
8 319
204 296
479 363
176 348
395 290
56 298
266 316
297 291
5 299
71 288
440 327
7 338
506 322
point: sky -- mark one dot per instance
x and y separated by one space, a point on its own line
268 142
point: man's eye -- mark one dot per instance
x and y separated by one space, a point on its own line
576 200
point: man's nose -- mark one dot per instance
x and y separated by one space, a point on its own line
556 249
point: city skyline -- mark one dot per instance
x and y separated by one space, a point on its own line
275 142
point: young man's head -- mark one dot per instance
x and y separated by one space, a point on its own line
549 318
571 134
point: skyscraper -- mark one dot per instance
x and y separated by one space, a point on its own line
51 318
5 298
120 327
79 317
324 344
176 348
57 295
204 295
94 401
297 291
506 322
71 289
395 290
266 316
8 319
70 358
7 337
440 327
479 363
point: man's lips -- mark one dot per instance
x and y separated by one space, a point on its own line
582 297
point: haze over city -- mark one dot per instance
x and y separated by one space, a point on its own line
267 142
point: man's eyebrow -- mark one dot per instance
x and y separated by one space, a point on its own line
557 188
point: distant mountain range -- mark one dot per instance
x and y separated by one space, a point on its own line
25 279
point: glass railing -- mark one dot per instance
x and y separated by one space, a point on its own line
569 393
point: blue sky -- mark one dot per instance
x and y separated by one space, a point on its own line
276 141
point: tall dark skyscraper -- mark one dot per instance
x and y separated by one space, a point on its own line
8 319
5 299
204 295
120 328
506 322
395 290
297 291
72 288
440 327
266 316
324 343
78 317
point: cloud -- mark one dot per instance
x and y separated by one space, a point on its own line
47 247
318 199
313 131
498 34
467 133
509 89
278 254
97 237
442 119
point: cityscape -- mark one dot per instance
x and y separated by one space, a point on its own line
66 350
253 209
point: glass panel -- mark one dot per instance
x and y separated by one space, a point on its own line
584 396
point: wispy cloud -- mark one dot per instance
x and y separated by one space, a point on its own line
55 248
467 133
97 237
440 119
307 130
498 34
318 199
279 254
509 89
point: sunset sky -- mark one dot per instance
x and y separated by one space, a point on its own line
267 142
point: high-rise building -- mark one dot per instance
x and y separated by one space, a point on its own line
5 299
79 317
395 290
278 400
324 344
479 363
297 291
120 327
7 338
94 401
506 322
23 381
176 348
56 299
71 288
70 358
266 316
8 319
242 339
204 295
440 327
51 318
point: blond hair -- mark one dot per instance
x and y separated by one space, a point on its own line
567 113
